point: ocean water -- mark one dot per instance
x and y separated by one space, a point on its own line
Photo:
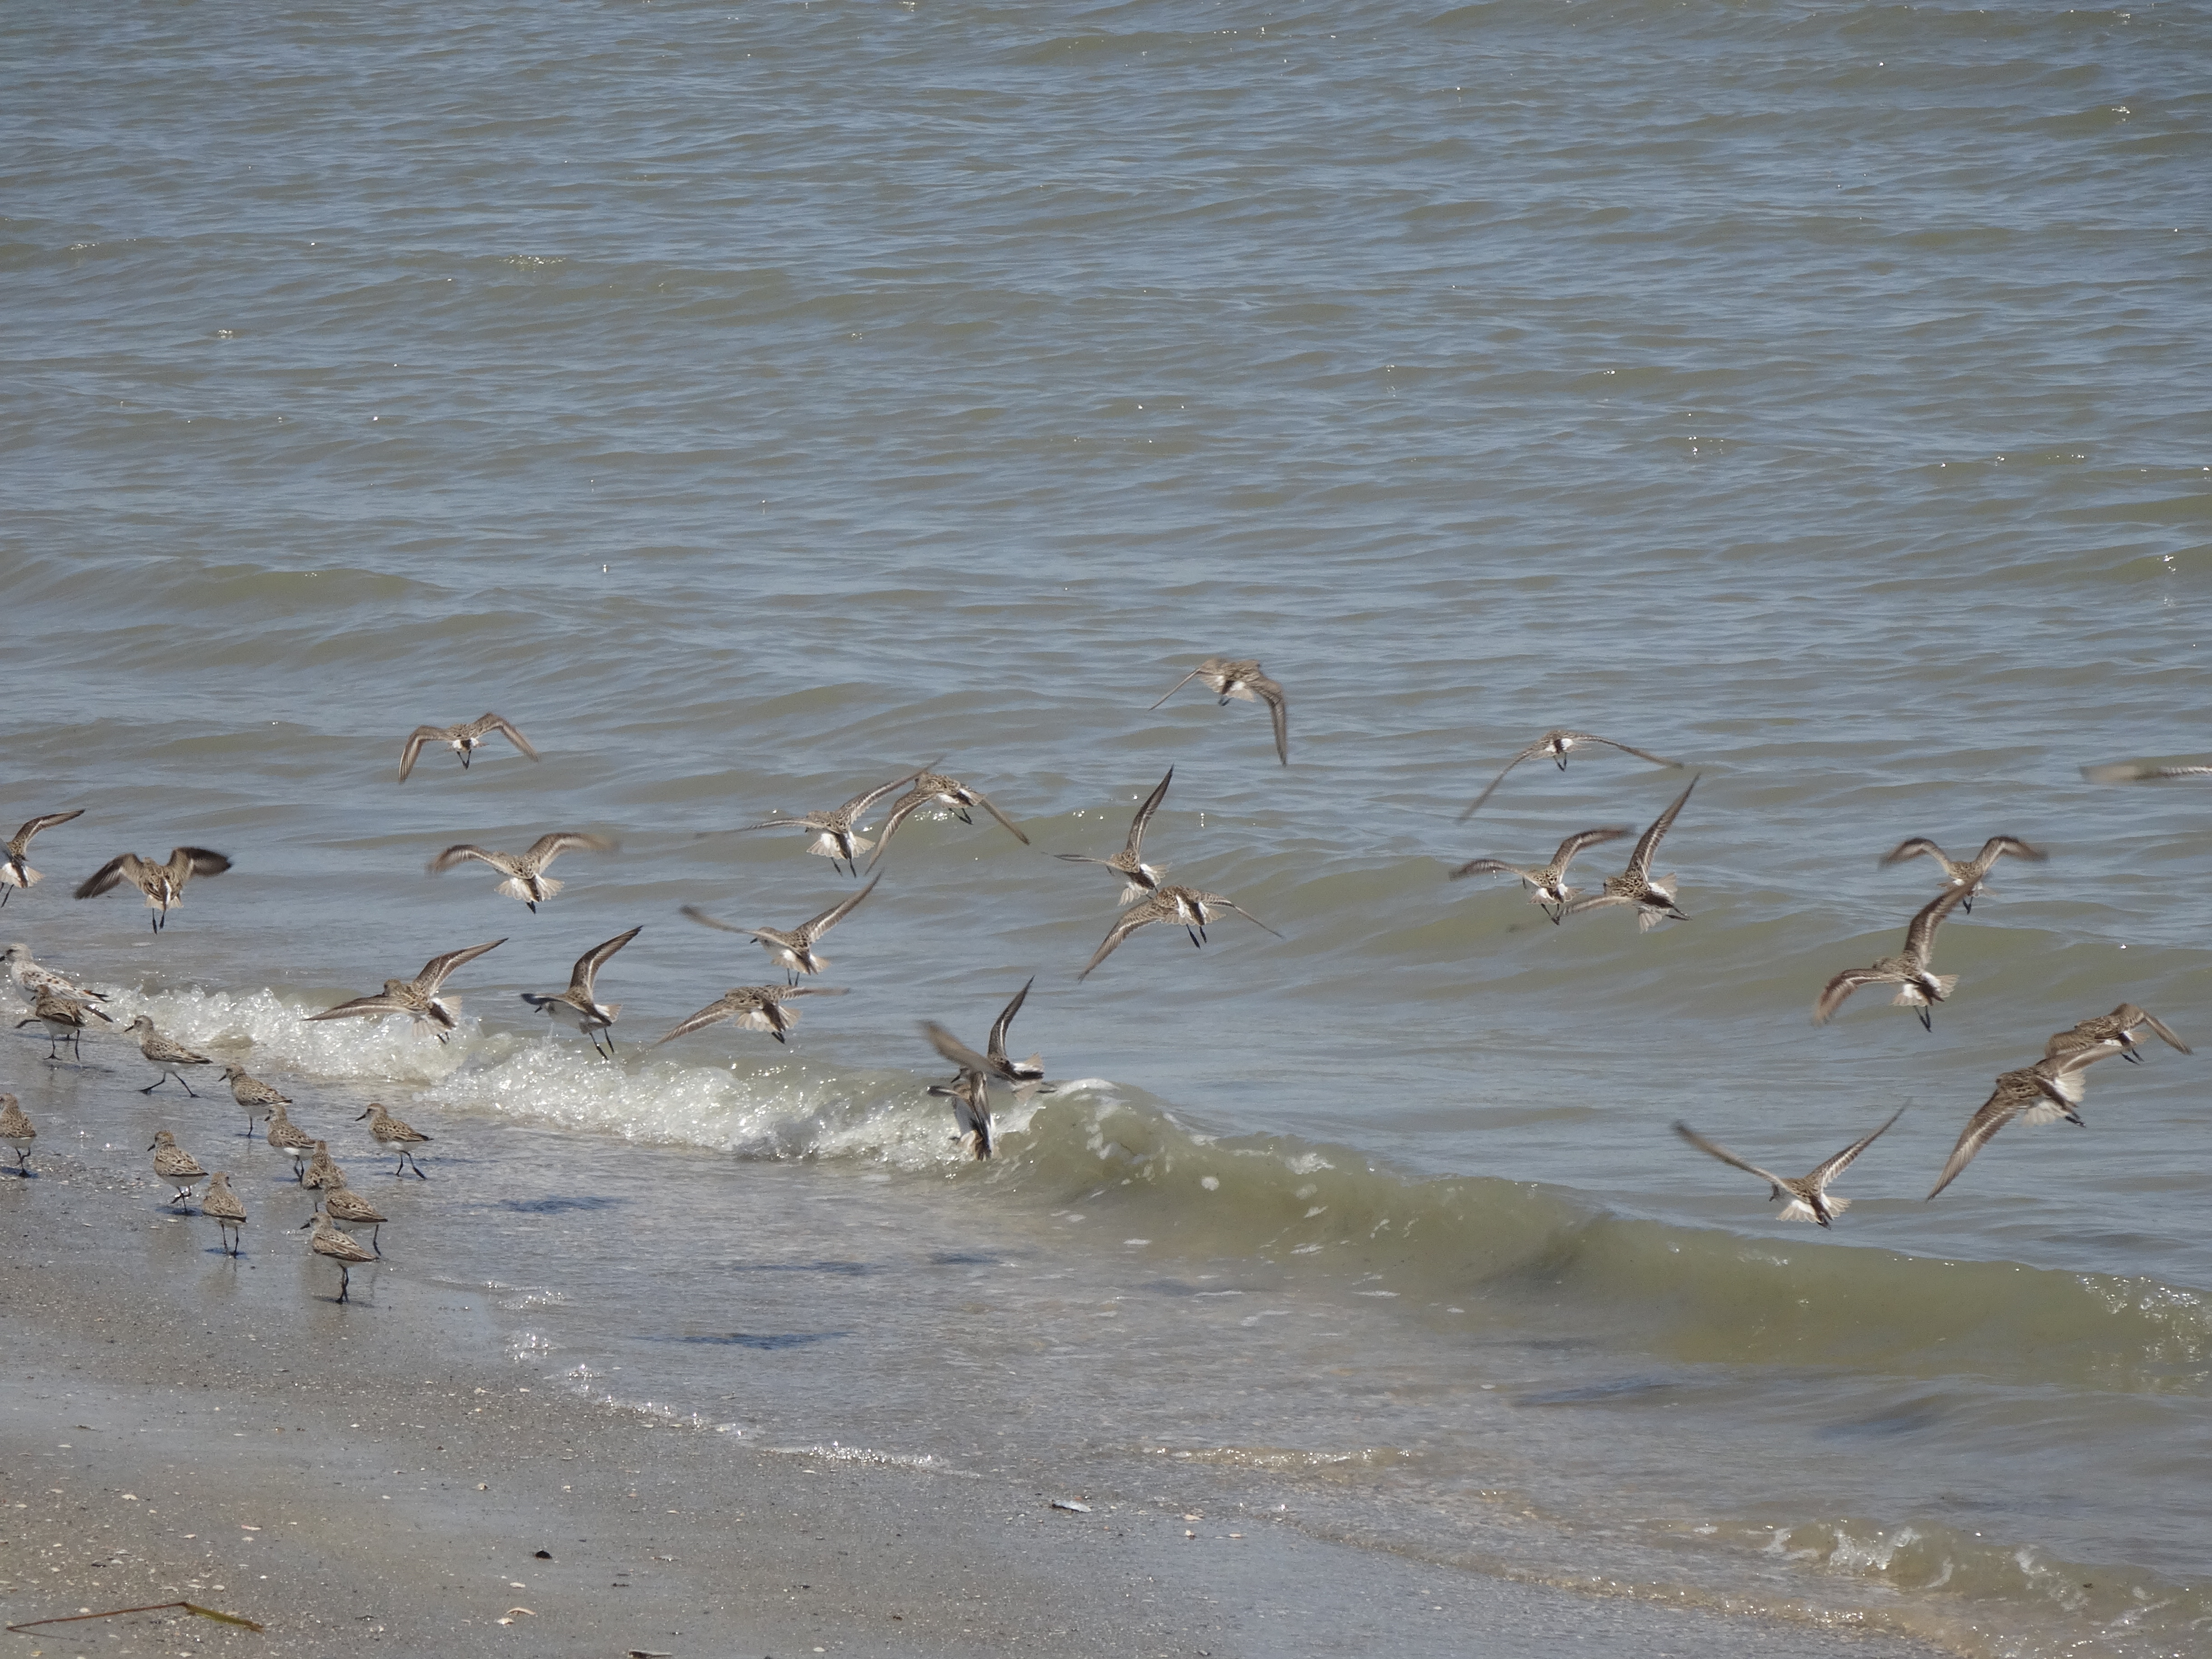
756 403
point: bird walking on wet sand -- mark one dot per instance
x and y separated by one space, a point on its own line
64 1019
2122 1026
342 1247
169 1057
837 832
1653 900
394 1136
350 1209
1809 1197
1548 887
2142 772
31 977
525 872
1138 878
1241 678
163 885
1185 906
418 998
256 1099
227 1208
792 951
1917 987
322 1168
935 789
2049 1089
17 1131
578 1006
14 871
463 740
1965 872
286 1136
755 1008
176 1166
1559 744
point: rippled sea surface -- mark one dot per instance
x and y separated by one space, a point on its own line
756 403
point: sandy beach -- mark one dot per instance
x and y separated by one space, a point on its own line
372 1479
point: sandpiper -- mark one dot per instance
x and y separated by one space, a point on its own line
1965 872
176 1166
1559 744
463 740
792 951
755 1008
342 1247
2049 1089
344 1205
525 879
1548 887
2142 772
15 1129
1908 970
396 1137
227 1208
165 1056
1808 1198
934 788
970 1094
1026 1075
1228 678
30 978
2119 1026
14 871
1184 905
256 1097
578 1006
163 885
1138 878
63 1017
417 998
322 1168
1653 900
287 1137
836 834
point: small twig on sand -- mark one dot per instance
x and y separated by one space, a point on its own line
157 1606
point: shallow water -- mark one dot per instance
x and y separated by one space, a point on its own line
755 404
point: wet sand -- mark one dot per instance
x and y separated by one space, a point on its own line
373 1479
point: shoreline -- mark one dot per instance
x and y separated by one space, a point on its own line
376 1478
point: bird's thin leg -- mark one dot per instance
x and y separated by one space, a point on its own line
345 1273
155 1085
373 1238
187 1087
1927 1017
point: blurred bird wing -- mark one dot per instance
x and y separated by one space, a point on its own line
1833 992
2003 1105
1138 915
546 848
1913 846
1920 935
1184 681
499 723
415 739
588 965
815 927
1582 838
124 866
1144 817
23 835
1712 1149
435 971
461 852
997 1046
1827 1171
1639 861
954 1049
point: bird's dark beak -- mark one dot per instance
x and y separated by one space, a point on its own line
364 1114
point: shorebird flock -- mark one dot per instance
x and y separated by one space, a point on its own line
2049 1089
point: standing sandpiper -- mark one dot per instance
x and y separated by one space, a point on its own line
227 1208
176 1166
342 1247
396 1137
15 1129
254 1096
165 1055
